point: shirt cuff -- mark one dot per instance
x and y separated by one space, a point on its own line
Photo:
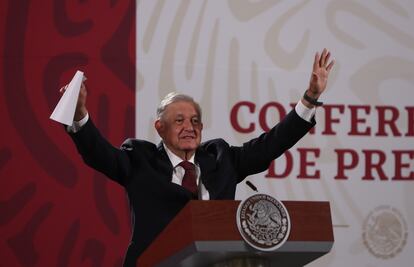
304 112
77 125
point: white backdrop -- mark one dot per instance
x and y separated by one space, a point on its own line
259 54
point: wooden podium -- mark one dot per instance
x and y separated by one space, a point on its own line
205 233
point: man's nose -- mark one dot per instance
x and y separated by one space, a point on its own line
188 126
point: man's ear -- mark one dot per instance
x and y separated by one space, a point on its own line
159 126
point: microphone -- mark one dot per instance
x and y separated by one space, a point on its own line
254 188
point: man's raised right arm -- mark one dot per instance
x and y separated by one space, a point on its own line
95 150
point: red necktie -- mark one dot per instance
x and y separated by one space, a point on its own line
189 179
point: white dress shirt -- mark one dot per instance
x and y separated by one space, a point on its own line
178 173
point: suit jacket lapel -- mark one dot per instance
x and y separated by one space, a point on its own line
206 162
165 167
163 163
207 165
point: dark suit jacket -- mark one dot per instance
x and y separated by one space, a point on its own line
145 171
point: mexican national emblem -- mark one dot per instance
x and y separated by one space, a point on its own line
385 232
263 222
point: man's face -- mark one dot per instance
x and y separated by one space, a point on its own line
180 128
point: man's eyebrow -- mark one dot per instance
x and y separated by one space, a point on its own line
191 116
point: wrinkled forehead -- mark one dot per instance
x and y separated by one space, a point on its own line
182 108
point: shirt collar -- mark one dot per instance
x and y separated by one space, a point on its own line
175 160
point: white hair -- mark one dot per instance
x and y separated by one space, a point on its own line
174 97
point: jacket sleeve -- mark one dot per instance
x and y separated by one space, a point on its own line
99 154
256 155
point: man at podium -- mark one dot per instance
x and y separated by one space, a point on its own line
161 179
